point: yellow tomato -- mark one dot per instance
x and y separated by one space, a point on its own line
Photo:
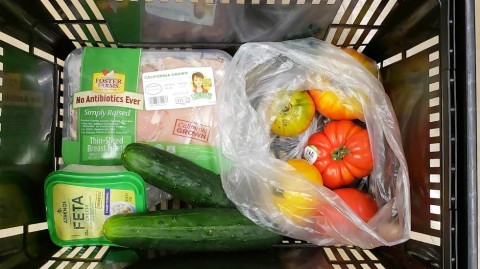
309 171
297 205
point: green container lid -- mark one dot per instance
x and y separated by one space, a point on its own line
80 198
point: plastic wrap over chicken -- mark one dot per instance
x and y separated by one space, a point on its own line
176 93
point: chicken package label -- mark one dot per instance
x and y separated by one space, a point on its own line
179 88
105 106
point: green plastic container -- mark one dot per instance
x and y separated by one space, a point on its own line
80 198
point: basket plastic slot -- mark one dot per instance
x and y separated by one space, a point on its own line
98 15
85 16
435 132
434 56
74 252
373 8
434 117
57 17
435 163
70 16
435 225
392 60
425 238
435 147
433 71
435 209
370 255
47 265
78 265
63 265
357 36
13 41
435 194
11 231
95 10
43 54
351 20
88 252
329 253
434 87
331 34
357 255
60 252
434 101
101 253
370 35
343 254
385 11
434 178
423 46
37 227
20 229
361 48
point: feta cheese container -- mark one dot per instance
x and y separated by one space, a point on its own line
80 198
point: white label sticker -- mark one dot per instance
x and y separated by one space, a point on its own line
310 154
179 88
197 13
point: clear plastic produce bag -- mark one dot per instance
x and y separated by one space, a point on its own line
263 79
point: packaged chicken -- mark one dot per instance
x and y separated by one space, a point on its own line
114 97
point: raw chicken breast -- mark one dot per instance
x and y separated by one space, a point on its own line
164 125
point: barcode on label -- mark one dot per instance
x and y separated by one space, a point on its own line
157 100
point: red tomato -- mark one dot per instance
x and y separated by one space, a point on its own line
360 202
341 152
330 220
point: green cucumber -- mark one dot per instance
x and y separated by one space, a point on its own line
178 176
197 229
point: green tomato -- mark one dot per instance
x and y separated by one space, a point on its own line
296 116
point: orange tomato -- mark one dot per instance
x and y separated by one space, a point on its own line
368 63
333 107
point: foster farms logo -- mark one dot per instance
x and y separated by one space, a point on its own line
108 82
